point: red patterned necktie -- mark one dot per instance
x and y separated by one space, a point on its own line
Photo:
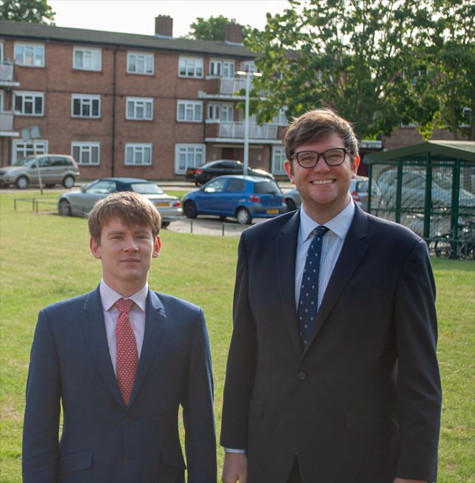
127 357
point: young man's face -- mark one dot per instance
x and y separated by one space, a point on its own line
323 188
126 253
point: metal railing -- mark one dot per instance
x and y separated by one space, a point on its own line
235 130
6 121
6 73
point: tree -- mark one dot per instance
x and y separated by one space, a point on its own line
31 11
213 29
354 56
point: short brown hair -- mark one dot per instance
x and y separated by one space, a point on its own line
131 208
316 125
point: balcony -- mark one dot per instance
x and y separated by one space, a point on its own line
224 89
234 131
6 76
6 124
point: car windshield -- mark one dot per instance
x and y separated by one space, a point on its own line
27 162
146 188
267 188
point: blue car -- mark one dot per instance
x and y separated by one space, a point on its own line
243 198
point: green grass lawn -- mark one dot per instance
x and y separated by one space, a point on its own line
45 258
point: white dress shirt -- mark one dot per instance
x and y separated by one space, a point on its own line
332 244
111 314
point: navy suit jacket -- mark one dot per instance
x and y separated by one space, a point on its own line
361 403
103 441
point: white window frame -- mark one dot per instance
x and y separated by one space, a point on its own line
19 145
196 153
86 99
222 68
278 160
138 150
141 59
195 107
281 119
29 94
139 104
190 67
1 51
89 55
86 152
2 100
249 66
216 112
35 48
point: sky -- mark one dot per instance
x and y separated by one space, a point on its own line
138 16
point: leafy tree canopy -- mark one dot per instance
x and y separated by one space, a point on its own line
213 29
32 11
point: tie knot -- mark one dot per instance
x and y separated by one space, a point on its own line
320 231
124 305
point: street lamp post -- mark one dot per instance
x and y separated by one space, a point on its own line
246 117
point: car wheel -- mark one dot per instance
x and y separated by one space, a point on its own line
68 182
290 204
243 216
190 209
165 224
50 185
64 208
22 183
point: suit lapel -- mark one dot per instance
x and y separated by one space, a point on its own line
155 322
95 331
286 249
350 257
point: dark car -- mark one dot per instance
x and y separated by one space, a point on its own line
243 198
203 173
80 203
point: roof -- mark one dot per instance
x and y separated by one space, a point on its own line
49 33
464 150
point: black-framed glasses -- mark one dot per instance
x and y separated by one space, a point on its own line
309 159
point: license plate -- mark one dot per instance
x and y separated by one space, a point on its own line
162 204
272 212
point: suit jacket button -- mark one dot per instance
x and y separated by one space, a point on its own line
128 419
302 376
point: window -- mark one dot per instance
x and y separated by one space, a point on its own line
278 159
32 55
222 68
29 103
220 112
190 67
23 149
102 187
140 63
189 111
87 59
87 154
188 156
138 154
139 108
281 118
248 66
236 185
86 105
216 186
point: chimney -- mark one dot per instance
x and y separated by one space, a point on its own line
164 26
233 33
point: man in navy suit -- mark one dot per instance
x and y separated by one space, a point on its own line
332 373
120 361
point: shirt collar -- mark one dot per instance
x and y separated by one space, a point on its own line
339 225
109 296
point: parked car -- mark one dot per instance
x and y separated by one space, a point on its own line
243 198
413 193
358 190
80 203
54 169
203 173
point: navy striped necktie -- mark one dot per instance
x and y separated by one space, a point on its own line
308 303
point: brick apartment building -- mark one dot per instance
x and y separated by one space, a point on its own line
132 105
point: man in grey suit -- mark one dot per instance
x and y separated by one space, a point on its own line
120 360
332 373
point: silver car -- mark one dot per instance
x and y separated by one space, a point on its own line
80 203
54 169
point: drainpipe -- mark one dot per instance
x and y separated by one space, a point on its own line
114 86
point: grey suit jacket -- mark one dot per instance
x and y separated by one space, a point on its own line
103 441
361 403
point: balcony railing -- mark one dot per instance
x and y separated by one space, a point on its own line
230 86
6 73
6 121
235 130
